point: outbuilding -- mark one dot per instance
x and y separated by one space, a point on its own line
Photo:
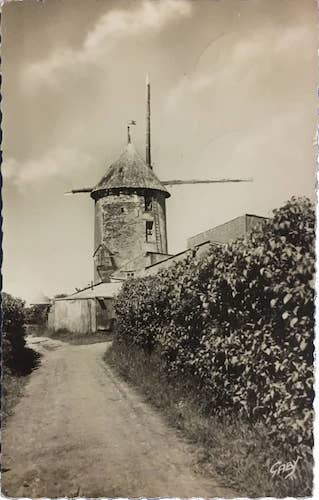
88 311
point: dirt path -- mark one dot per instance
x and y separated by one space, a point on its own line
80 431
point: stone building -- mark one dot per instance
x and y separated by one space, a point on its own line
130 218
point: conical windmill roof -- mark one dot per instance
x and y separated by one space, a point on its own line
129 171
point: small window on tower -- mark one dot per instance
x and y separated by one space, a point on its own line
149 231
148 204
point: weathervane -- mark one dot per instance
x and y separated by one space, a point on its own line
132 122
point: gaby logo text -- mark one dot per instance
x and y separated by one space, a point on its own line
287 469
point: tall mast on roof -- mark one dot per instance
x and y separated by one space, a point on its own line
148 123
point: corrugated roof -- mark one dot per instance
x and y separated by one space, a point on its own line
103 290
129 171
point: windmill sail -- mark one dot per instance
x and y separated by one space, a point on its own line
177 182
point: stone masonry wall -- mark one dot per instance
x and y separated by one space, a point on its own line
120 227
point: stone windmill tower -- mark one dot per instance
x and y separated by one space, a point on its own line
130 211
130 215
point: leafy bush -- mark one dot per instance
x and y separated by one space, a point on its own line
13 331
239 321
37 315
18 359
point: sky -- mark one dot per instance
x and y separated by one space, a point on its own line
234 94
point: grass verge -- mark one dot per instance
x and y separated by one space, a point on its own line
239 453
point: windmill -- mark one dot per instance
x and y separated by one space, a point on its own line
130 211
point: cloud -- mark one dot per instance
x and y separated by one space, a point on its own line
249 58
57 163
148 17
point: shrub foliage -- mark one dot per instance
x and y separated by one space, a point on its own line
18 359
36 315
13 330
239 321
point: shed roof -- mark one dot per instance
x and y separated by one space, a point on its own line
40 299
102 290
129 171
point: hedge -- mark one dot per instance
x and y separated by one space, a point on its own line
239 321
13 330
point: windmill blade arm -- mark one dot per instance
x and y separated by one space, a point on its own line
80 190
177 182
